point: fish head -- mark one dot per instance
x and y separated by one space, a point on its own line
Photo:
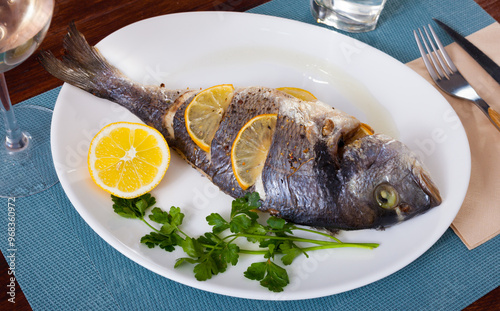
384 182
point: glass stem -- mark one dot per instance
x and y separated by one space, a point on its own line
15 140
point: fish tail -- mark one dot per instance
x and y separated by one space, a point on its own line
81 66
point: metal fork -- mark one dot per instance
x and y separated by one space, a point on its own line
447 76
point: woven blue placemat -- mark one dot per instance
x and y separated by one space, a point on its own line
62 264
399 18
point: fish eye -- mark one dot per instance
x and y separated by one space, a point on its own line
386 196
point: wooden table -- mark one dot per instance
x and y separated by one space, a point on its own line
97 19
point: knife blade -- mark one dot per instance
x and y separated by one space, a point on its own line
482 59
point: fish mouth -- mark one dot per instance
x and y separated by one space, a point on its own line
428 186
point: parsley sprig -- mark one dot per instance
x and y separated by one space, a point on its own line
214 251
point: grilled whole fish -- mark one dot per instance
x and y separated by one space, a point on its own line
316 172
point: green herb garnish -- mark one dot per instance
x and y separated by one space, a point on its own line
213 252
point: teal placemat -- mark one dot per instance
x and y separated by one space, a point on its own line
399 18
62 264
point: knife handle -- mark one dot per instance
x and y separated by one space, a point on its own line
490 113
494 116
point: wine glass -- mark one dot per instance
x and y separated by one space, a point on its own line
26 165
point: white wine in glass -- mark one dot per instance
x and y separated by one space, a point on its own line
26 165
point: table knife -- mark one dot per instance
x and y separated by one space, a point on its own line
487 63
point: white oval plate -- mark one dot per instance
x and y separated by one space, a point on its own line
204 49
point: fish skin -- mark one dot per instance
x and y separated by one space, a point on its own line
315 174
300 172
246 104
182 141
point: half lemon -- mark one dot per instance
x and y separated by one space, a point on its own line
128 159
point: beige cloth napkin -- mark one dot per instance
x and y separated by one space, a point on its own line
479 217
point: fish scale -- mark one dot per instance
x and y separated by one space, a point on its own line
319 170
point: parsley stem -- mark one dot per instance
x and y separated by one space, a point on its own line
242 251
147 223
251 252
338 245
317 232
306 249
314 248
185 235
289 238
325 244
159 231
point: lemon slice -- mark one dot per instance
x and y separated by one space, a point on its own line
128 159
298 93
204 113
250 148
363 130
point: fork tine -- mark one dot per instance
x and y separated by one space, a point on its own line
425 58
443 51
431 56
437 53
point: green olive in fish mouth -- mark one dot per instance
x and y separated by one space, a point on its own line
386 196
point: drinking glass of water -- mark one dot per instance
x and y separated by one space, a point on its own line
348 15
